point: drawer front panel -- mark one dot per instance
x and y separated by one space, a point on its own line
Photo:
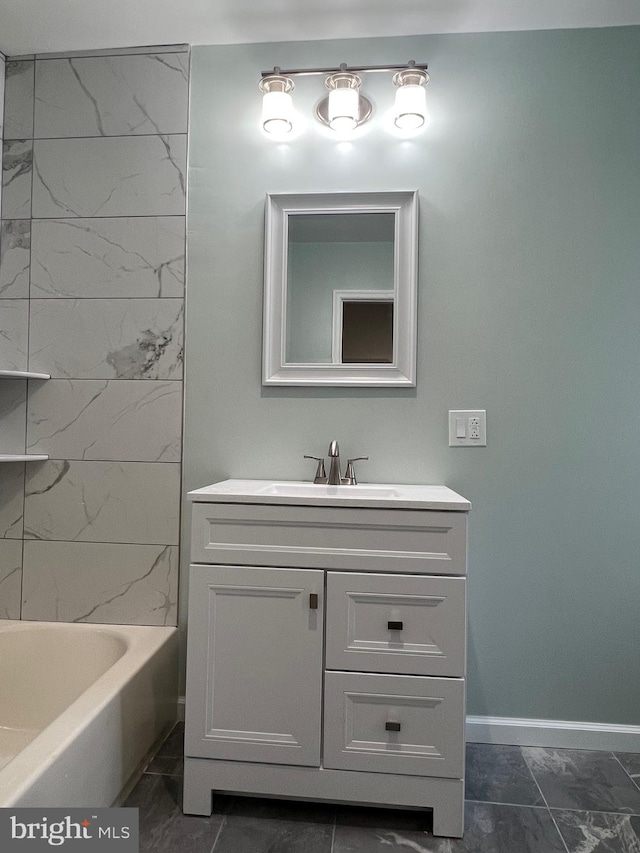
330 538
394 724
404 624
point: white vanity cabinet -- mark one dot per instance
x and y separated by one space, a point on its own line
326 647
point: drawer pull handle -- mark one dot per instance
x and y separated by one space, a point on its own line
392 727
313 601
394 626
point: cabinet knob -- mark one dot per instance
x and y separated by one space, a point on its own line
392 726
313 600
394 626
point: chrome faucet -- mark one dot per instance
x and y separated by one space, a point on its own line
334 478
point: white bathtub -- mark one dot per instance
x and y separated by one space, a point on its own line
81 706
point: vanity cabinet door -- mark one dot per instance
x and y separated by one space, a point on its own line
254 664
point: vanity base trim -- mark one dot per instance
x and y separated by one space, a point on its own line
202 776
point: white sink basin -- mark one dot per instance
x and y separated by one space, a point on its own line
294 493
293 490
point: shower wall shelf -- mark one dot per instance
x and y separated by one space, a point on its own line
23 374
23 457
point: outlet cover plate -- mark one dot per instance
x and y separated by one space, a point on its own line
460 428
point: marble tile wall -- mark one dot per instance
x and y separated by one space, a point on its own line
92 266
2 76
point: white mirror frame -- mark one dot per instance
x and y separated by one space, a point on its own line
402 371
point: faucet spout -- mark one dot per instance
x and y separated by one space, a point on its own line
334 478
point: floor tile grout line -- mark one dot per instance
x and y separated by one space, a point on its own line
533 776
555 823
511 805
222 823
333 831
544 800
633 781
594 811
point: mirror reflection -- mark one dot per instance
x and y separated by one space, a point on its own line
366 332
340 288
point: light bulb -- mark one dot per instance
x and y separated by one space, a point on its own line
277 113
277 104
411 97
344 109
410 107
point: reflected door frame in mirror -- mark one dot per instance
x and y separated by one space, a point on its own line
401 372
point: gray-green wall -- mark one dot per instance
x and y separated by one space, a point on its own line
529 306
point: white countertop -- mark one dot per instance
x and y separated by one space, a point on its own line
384 495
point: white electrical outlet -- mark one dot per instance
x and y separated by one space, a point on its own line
467 428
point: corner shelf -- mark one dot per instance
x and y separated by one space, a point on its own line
23 374
23 457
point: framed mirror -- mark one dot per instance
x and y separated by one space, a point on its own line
340 289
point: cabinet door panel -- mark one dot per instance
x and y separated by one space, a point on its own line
254 664
404 624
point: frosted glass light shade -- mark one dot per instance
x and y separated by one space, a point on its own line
277 112
277 104
410 106
344 109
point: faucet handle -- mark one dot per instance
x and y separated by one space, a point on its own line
349 478
320 476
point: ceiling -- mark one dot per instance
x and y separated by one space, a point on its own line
43 26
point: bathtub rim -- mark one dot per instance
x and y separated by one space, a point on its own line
144 642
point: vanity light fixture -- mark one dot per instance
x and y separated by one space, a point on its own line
411 97
277 103
345 107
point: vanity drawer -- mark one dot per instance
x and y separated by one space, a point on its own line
404 624
388 540
394 724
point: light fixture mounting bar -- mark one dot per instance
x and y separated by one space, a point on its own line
355 69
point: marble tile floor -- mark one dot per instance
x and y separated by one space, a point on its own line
519 800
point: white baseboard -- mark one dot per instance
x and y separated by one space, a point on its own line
562 734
